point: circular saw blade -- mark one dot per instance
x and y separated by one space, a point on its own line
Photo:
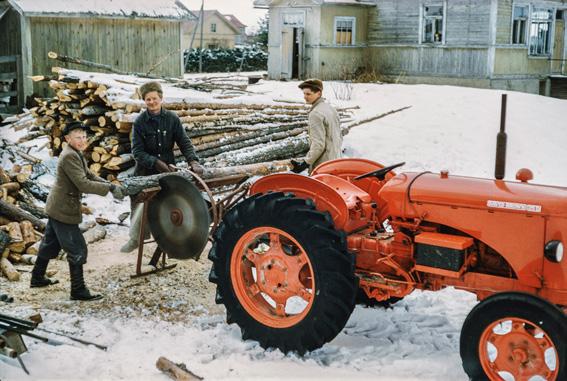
179 218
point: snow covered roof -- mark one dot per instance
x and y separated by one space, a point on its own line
267 3
235 21
165 9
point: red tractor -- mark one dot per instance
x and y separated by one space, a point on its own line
292 259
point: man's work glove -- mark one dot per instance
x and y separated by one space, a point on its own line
197 168
161 167
298 166
118 191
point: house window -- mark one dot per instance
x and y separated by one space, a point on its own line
294 19
345 30
213 28
213 46
519 24
433 20
540 32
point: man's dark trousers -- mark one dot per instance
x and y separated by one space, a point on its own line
59 235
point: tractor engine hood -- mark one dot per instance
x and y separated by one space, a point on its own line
430 188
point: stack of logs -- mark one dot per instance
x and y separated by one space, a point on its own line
20 224
224 134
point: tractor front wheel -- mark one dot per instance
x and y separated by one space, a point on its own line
515 336
283 272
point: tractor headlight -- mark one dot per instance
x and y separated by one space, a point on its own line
554 251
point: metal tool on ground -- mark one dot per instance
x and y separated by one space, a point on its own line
38 319
11 331
13 328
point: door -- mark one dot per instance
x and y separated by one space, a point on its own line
287 53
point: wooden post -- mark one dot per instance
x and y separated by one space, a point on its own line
26 58
19 78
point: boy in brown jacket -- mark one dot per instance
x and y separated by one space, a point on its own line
64 210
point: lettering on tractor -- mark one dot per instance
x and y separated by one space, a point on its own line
292 259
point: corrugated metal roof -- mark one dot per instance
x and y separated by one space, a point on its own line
166 9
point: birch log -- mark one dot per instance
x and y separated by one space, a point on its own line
176 372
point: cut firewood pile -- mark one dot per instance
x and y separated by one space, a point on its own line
224 134
20 219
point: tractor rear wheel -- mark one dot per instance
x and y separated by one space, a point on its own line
283 272
515 336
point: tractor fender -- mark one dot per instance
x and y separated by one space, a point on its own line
347 169
326 198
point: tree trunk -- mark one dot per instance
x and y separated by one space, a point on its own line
17 214
135 185
28 234
294 146
95 234
252 142
177 372
37 190
240 136
348 127
11 187
4 240
7 269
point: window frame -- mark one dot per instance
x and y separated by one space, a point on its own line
353 36
423 24
528 23
213 27
551 30
300 15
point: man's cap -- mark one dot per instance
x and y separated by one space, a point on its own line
73 126
313 83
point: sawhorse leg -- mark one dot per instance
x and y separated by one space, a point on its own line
157 253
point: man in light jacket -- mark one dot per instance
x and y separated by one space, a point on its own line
63 207
325 137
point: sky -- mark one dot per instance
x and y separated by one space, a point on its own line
242 9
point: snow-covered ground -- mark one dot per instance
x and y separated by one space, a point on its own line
418 339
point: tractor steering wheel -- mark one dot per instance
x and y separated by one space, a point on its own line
381 173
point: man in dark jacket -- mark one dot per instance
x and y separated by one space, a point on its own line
64 210
154 134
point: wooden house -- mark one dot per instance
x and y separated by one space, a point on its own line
501 44
131 35
218 31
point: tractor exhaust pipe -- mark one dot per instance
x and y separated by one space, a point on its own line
501 138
